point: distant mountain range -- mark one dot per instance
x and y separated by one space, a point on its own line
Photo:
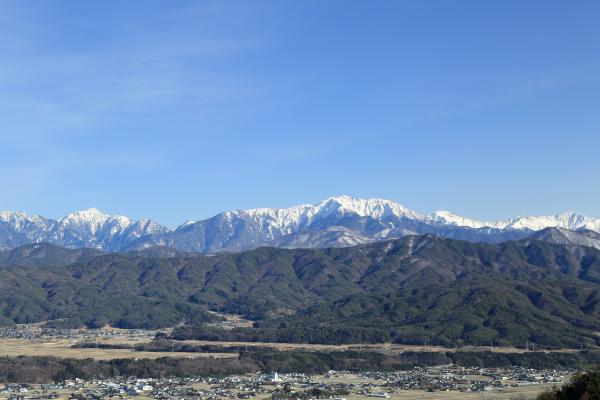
335 222
581 237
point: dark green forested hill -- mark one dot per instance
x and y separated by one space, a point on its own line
413 290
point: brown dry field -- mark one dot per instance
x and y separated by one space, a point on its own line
387 348
62 348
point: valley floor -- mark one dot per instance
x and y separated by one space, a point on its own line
435 383
63 347
32 340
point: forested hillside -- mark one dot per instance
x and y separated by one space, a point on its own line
418 289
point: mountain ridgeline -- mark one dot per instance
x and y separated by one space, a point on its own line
335 222
414 290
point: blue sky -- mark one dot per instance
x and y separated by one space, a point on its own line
177 109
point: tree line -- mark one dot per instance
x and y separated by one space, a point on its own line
29 369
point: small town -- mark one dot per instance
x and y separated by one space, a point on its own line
35 332
334 384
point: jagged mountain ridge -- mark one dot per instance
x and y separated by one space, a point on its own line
337 221
82 229
581 237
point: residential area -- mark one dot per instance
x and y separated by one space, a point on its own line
428 382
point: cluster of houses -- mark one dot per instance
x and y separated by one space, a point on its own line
33 332
274 385
14 388
238 387
464 379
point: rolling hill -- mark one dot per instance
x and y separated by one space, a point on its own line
416 289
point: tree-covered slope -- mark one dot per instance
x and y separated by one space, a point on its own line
413 290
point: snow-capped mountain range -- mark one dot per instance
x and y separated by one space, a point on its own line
336 221
89 228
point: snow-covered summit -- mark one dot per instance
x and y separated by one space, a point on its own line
305 213
566 220
375 208
86 228
20 220
379 209
335 221
447 218
94 220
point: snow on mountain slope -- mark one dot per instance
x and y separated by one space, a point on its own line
336 221
447 218
566 220
23 222
564 236
288 220
88 228
91 228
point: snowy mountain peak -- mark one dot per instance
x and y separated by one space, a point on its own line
22 221
8 216
279 221
567 220
376 208
94 218
90 215
335 221
18 215
447 218
274 222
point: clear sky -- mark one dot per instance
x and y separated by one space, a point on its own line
175 109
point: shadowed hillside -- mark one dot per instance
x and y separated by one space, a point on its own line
419 289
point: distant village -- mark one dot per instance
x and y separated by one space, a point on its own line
334 384
33 333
